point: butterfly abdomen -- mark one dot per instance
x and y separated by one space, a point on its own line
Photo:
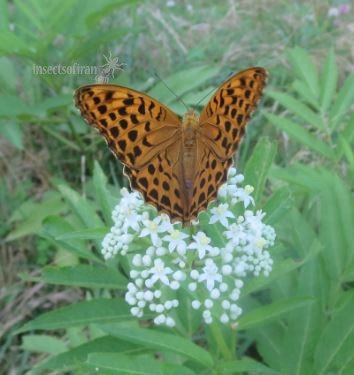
189 154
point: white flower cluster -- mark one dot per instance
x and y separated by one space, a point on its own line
174 259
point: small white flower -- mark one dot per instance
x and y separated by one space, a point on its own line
224 318
210 275
159 272
226 269
160 308
221 214
201 244
215 293
148 295
152 228
160 319
196 304
176 241
174 285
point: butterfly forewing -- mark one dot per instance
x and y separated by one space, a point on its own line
223 120
136 127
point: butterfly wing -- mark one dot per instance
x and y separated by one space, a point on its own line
223 120
210 175
221 126
135 126
145 135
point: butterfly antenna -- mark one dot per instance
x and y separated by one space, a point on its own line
209 92
171 91
206 95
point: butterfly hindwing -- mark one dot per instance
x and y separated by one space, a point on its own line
159 183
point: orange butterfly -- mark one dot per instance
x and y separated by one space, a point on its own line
178 165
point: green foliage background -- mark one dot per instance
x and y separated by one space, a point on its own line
55 200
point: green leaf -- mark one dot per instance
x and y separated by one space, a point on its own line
301 88
10 44
268 313
343 101
328 80
336 221
278 205
12 131
247 365
298 108
336 342
9 75
30 216
84 234
163 341
84 276
77 356
4 15
302 333
300 134
123 364
305 69
55 226
32 15
105 10
257 166
104 198
43 344
12 106
346 150
83 209
81 314
54 103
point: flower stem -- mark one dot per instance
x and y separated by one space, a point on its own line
220 342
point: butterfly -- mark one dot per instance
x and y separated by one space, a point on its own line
177 164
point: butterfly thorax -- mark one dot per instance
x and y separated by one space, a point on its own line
189 151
